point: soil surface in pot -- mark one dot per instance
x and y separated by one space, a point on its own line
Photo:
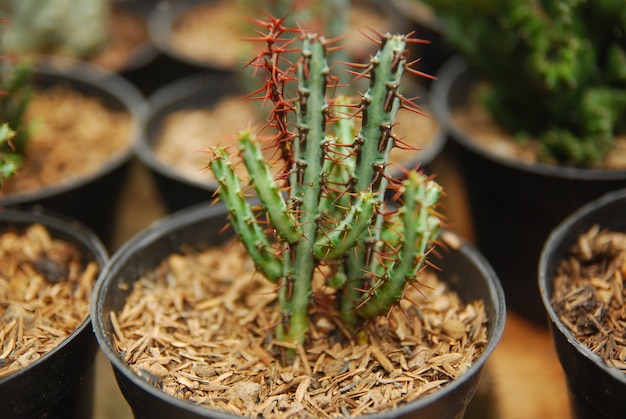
45 289
199 327
127 32
589 294
476 120
71 136
213 32
185 134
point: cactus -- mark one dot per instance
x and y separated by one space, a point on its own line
76 28
556 68
326 210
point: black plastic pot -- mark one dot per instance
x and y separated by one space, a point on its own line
60 384
196 228
202 91
91 199
514 205
596 390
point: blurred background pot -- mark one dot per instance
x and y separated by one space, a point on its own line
596 389
207 35
90 198
513 205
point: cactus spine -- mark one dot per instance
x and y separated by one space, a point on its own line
334 217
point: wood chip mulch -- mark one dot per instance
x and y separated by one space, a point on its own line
200 328
45 289
589 294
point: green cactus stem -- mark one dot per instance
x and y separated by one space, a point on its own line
326 210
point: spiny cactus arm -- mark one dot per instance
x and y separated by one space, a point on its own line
305 192
242 217
373 144
339 161
420 227
379 107
345 235
267 191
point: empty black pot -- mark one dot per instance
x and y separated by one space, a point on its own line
596 390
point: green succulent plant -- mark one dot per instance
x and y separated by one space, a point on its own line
77 28
325 211
556 68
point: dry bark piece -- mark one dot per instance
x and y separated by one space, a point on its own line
36 313
222 356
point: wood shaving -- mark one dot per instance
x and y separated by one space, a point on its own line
222 358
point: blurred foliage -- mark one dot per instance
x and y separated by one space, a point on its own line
77 28
557 68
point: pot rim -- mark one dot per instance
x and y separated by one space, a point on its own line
557 237
457 66
142 240
106 82
77 232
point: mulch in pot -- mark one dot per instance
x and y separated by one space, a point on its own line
45 291
588 294
72 136
200 328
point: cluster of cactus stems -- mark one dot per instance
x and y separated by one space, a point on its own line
557 68
325 211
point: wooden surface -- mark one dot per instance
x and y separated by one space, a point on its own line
523 378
